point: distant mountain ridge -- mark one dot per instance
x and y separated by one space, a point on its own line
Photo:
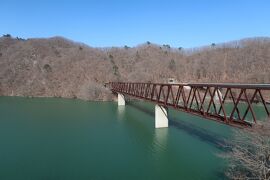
58 67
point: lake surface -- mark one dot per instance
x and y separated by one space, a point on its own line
50 138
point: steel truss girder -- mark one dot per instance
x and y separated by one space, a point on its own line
202 99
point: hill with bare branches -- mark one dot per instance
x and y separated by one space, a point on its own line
57 67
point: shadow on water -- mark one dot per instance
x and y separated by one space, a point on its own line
209 137
141 108
201 134
220 174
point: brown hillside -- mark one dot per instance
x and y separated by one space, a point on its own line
62 68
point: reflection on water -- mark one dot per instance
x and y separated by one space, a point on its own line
160 139
120 112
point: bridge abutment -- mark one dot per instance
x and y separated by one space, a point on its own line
121 100
161 117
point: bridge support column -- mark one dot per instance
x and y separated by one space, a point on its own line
161 117
121 100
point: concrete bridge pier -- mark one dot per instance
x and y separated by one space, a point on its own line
121 100
161 117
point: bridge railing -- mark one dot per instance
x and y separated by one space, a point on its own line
227 103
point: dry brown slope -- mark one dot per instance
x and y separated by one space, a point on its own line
62 68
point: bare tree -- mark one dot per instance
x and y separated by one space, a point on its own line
249 157
60 67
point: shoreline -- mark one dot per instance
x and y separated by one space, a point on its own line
55 97
112 100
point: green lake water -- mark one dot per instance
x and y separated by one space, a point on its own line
50 138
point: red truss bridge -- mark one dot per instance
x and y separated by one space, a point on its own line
232 104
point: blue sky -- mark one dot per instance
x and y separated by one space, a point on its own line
103 23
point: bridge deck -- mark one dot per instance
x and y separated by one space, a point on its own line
210 100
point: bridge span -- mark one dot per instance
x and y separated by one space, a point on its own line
232 104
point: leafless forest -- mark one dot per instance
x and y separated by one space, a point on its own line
57 67
249 157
